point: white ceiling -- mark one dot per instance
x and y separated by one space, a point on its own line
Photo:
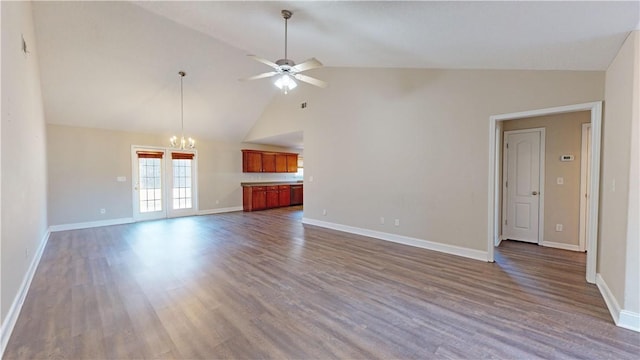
114 65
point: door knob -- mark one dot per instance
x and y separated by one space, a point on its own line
534 193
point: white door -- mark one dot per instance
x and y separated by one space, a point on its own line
164 183
148 184
182 176
585 183
521 177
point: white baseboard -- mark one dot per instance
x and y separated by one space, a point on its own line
444 248
622 318
14 311
90 224
560 246
220 210
629 320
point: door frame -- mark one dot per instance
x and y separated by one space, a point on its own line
167 178
541 178
495 150
584 164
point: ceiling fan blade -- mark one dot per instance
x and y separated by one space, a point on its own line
260 76
311 80
264 61
312 63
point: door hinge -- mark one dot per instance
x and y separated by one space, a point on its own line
507 145
505 221
506 183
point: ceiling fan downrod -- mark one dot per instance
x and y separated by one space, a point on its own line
286 14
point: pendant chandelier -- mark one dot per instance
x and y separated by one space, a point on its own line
183 143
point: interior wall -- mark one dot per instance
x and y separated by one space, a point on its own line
619 249
563 135
411 144
84 164
24 168
632 286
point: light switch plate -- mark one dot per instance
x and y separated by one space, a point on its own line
560 181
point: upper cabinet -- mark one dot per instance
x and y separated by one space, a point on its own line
269 161
251 161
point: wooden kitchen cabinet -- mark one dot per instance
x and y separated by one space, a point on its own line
292 163
251 162
281 163
284 195
269 161
261 197
254 198
273 197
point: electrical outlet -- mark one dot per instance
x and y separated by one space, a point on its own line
559 227
397 222
217 202
381 220
26 253
324 212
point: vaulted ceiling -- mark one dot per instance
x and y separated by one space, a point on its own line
115 65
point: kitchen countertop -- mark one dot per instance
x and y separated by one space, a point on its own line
267 183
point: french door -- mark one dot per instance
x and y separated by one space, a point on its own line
164 183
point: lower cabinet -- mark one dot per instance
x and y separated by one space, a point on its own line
284 195
254 198
272 196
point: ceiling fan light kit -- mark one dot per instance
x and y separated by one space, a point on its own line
286 69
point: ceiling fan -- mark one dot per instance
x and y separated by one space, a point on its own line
286 69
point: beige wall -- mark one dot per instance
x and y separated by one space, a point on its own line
84 164
563 133
413 144
24 173
618 260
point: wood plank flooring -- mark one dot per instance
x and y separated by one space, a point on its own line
261 285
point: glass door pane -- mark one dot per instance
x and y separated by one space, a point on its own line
150 184
182 184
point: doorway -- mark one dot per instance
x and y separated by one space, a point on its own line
164 183
494 183
523 184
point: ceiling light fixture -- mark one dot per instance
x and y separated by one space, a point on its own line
184 143
286 83
285 70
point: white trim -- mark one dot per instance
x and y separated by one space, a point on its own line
220 210
584 163
429 245
90 224
562 246
629 320
541 177
493 199
622 318
14 311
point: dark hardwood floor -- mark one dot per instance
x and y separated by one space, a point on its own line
261 285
